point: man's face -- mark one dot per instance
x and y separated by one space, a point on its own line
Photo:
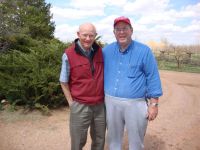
86 37
123 33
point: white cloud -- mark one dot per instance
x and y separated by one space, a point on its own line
71 13
87 4
192 10
156 18
118 3
105 28
152 20
66 32
143 7
95 4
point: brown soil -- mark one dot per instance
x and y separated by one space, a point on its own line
177 126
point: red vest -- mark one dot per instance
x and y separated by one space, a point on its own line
85 87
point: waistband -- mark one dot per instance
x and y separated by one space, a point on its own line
90 103
125 99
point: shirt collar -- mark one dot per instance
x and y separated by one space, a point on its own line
84 50
125 50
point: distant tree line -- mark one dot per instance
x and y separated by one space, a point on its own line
179 54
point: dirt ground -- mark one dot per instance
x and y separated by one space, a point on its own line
177 126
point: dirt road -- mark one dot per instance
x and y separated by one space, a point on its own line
177 126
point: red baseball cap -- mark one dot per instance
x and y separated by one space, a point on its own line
122 19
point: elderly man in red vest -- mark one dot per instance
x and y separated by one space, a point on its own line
81 80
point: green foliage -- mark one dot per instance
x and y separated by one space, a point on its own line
42 107
30 56
179 58
32 79
22 20
166 65
1 107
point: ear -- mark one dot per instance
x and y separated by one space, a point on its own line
78 34
132 29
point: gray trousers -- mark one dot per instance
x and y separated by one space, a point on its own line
81 118
126 113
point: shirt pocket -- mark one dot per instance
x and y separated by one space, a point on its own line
81 70
134 71
83 65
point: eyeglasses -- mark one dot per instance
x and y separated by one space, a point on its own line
118 30
91 36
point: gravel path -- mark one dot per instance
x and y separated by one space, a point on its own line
177 126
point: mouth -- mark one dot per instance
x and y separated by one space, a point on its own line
87 43
122 38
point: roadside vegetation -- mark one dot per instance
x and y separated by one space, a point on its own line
30 57
179 58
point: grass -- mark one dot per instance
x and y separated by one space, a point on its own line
8 116
165 65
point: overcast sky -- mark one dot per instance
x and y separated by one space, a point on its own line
178 21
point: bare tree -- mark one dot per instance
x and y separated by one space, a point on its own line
179 54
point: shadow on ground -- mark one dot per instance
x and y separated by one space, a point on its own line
152 142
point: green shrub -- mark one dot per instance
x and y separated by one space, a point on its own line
32 79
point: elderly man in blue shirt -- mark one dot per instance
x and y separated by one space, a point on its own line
132 87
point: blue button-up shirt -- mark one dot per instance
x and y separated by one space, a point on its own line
65 69
132 73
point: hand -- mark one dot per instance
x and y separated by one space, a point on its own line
70 103
152 112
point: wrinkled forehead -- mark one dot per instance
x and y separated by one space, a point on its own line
87 32
87 29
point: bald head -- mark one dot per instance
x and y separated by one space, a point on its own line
87 27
